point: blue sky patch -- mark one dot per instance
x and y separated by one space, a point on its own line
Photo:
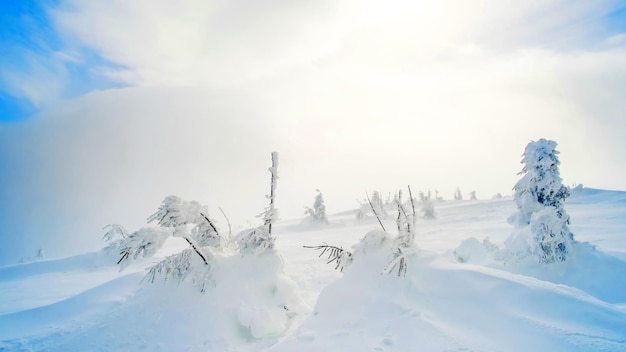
33 69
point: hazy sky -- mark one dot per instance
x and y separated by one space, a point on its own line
106 107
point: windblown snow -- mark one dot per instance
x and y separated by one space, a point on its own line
460 292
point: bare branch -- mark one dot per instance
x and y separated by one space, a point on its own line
230 229
374 211
335 254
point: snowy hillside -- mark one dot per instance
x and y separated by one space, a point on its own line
457 295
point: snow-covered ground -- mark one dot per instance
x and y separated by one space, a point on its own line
455 295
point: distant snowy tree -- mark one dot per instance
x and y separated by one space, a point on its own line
428 206
317 214
473 195
361 212
457 194
539 196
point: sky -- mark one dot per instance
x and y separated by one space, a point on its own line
108 107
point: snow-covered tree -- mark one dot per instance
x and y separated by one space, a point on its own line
176 218
473 195
428 206
539 196
399 249
317 214
259 240
457 194
189 221
361 212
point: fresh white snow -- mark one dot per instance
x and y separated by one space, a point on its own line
457 294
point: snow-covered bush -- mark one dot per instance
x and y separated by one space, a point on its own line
539 196
248 291
176 218
189 221
403 243
317 214
473 195
399 249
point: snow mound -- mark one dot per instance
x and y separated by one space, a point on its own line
442 305
251 305
590 270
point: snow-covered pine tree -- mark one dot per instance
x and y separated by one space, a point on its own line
176 218
428 206
473 195
317 214
260 239
457 194
539 196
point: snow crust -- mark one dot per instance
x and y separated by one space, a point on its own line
457 295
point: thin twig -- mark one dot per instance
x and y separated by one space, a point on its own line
374 211
230 229
412 204
335 253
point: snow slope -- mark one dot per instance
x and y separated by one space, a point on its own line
85 303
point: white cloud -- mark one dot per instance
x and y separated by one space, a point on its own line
190 42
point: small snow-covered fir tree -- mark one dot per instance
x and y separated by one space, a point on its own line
428 206
539 196
317 214
473 195
176 218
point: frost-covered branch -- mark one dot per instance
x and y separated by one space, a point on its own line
271 214
341 257
399 260
260 239
374 211
230 228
